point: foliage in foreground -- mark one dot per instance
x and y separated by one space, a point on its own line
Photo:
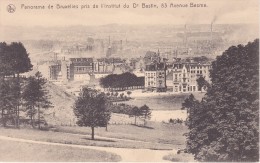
35 97
14 60
91 109
224 126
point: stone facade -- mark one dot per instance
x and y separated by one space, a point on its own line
186 74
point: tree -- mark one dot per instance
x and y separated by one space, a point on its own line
225 124
7 101
191 104
5 60
116 94
91 109
188 103
108 94
129 93
145 113
14 60
20 63
135 112
122 95
35 97
121 81
202 83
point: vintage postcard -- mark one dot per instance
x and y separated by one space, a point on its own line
129 80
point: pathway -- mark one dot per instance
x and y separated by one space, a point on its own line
127 154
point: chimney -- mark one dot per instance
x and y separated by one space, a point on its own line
185 35
121 45
55 56
211 30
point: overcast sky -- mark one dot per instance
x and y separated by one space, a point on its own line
222 11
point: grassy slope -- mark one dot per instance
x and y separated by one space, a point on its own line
162 136
62 112
26 152
159 132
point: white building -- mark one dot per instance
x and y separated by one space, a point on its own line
185 76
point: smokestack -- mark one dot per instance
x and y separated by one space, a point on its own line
185 35
121 45
211 30
55 57
109 40
211 27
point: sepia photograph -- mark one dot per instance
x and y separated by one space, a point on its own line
129 81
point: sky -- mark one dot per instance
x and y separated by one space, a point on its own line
217 11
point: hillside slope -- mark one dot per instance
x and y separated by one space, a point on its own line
62 112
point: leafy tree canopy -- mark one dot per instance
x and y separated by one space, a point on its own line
121 81
224 126
91 109
14 59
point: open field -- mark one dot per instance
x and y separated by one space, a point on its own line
28 152
158 136
161 133
125 141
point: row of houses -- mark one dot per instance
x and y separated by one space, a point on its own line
159 75
79 69
179 77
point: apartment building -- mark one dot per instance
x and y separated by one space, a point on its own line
186 74
155 77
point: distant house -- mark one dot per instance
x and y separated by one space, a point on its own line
155 77
55 70
139 73
81 68
186 74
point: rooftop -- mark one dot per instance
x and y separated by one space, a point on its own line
155 67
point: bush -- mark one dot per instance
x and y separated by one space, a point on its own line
176 121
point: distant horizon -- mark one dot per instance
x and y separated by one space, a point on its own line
142 25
